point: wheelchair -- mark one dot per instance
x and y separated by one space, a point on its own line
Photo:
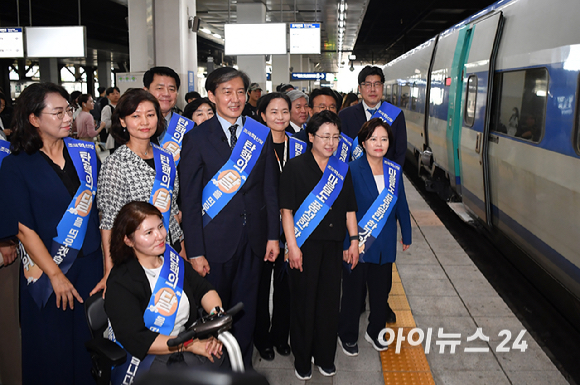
106 354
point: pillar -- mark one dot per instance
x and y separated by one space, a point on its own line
104 69
280 70
49 71
253 65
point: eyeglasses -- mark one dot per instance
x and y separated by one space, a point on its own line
329 139
322 107
69 111
371 85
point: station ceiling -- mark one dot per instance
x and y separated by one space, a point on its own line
377 31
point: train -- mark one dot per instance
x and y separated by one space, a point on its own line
492 113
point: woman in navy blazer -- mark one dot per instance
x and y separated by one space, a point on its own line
367 176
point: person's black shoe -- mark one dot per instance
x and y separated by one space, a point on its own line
267 354
283 349
391 316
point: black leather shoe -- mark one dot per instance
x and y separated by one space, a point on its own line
267 354
283 349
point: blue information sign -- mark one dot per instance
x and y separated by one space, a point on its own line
308 75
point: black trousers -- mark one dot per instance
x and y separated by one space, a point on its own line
237 281
379 279
315 301
269 334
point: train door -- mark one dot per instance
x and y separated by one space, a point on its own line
474 137
454 109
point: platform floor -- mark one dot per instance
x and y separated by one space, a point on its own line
443 289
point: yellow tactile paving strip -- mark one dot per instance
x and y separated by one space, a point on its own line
409 366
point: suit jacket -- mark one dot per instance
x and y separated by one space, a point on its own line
384 248
205 151
127 297
352 119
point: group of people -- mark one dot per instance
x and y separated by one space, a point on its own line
206 217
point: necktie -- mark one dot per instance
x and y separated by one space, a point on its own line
234 138
372 111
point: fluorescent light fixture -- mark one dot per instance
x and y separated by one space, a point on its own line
52 42
272 39
205 30
217 35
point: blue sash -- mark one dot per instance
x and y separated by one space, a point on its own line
4 150
159 315
173 138
297 147
317 204
162 191
388 113
234 173
372 223
72 227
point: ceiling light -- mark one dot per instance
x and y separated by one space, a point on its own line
205 30
217 35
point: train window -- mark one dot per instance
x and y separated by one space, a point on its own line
520 103
469 113
405 96
396 94
388 93
414 96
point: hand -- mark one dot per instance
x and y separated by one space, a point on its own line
207 348
64 290
102 285
8 252
405 247
179 217
353 254
7 131
295 257
200 265
272 251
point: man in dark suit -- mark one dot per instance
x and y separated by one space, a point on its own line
246 231
370 86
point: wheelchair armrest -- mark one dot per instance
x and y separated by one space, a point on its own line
107 349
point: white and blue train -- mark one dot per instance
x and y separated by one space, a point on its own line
492 108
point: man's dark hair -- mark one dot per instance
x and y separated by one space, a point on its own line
368 71
84 98
369 128
223 75
324 91
161 71
190 109
110 90
192 95
25 136
319 119
265 100
126 106
101 89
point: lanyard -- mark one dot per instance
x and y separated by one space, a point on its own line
283 162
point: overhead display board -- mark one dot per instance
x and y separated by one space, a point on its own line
11 43
308 75
255 39
56 42
305 38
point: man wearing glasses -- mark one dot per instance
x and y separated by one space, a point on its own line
370 86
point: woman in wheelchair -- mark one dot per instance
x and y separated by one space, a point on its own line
152 295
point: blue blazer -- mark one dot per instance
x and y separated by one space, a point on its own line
384 248
353 118
205 151
35 196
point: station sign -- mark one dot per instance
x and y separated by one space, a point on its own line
308 75
11 43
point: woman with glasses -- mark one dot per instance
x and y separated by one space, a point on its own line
138 170
274 112
50 182
317 205
84 122
380 196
